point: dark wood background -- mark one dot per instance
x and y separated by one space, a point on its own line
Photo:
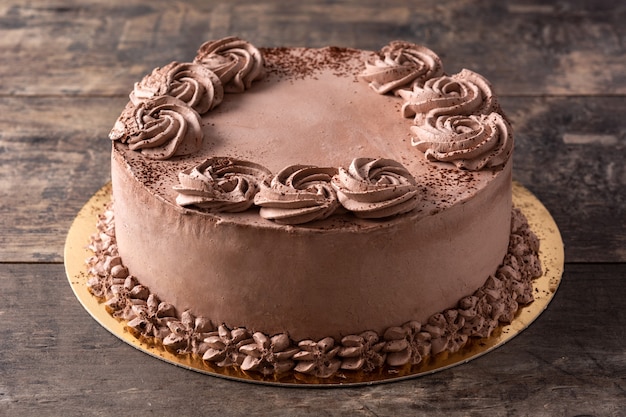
65 71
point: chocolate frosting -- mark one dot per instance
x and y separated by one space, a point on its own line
401 65
268 355
160 127
236 62
192 83
470 142
221 184
222 346
362 352
318 358
475 316
376 188
464 93
298 194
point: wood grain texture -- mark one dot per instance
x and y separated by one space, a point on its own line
569 151
66 68
54 154
101 47
569 359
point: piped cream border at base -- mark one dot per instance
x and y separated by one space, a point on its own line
544 288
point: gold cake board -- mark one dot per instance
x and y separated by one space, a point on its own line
540 220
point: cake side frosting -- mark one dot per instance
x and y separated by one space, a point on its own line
408 343
316 280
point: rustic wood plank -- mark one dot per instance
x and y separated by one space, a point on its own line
570 153
102 47
54 154
53 357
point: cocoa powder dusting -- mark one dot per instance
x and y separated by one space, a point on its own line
303 63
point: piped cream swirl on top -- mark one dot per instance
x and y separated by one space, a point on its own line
469 142
194 84
160 127
370 188
221 184
401 65
298 194
464 93
376 188
457 119
236 62
162 119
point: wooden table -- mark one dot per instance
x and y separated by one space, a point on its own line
65 73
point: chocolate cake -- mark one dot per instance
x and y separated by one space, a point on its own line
314 211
